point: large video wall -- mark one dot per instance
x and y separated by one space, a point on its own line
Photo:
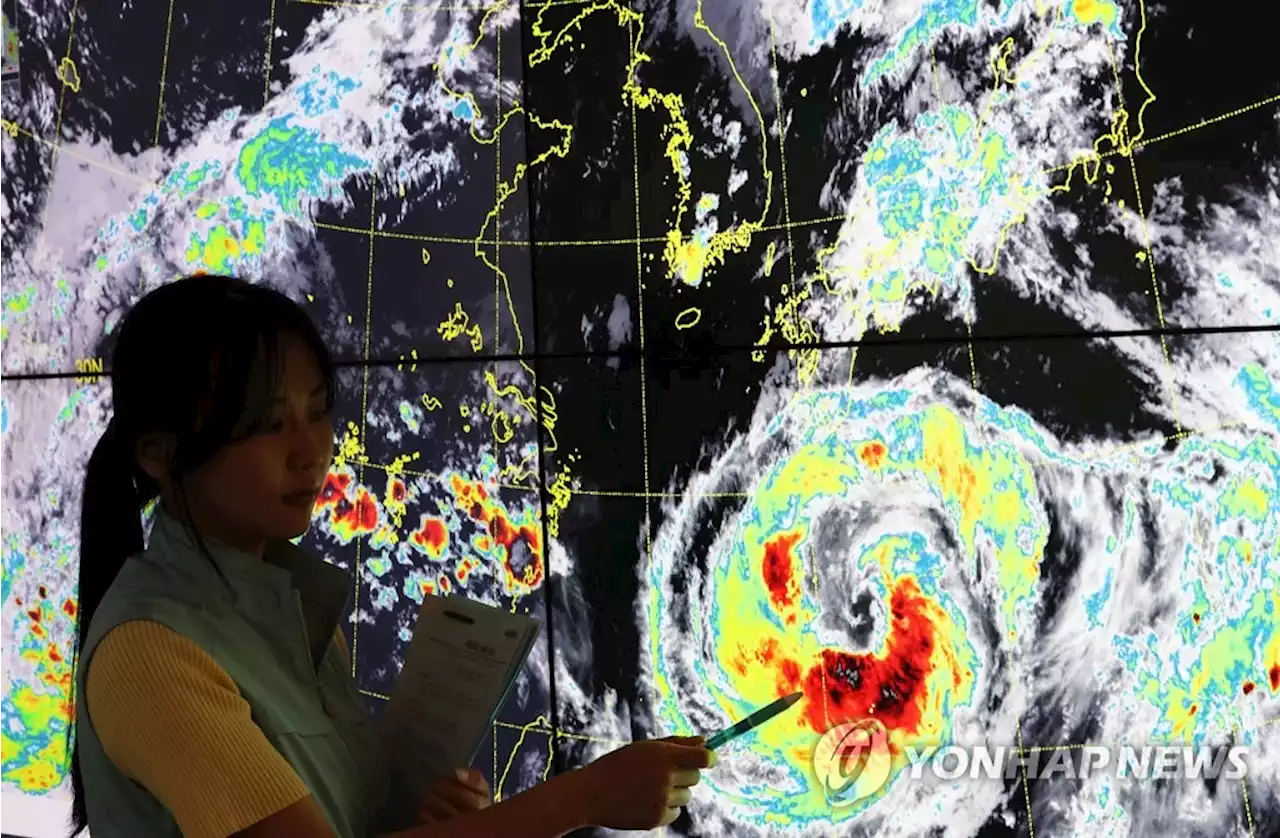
915 355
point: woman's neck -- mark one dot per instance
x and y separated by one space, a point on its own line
210 529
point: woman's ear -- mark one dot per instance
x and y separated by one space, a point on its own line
154 453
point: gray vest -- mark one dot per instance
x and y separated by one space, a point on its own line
271 628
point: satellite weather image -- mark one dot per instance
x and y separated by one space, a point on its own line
918 356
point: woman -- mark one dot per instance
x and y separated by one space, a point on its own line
213 692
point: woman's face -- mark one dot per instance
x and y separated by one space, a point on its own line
264 488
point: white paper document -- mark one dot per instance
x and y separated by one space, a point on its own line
461 664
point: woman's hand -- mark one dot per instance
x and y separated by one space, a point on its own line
645 784
466 791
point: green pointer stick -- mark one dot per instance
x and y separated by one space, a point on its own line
753 721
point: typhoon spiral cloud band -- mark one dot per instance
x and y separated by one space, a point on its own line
854 571
894 552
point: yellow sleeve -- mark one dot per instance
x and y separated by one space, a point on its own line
173 721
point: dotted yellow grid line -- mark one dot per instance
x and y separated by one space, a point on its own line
1244 790
598 493
625 241
633 63
1158 440
782 157
973 364
1159 138
498 202
1178 132
364 420
1248 810
495 791
1127 143
1026 786
545 729
164 71
426 5
546 4
968 320
271 38
632 68
61 74
538 726
1044 749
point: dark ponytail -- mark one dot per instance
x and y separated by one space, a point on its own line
115 491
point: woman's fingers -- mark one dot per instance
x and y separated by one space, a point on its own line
462 796
679 797
436 808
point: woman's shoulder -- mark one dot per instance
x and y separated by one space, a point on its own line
144 667
142 637
146 658
143 592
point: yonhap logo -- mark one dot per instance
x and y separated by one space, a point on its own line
1122 762
852 761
